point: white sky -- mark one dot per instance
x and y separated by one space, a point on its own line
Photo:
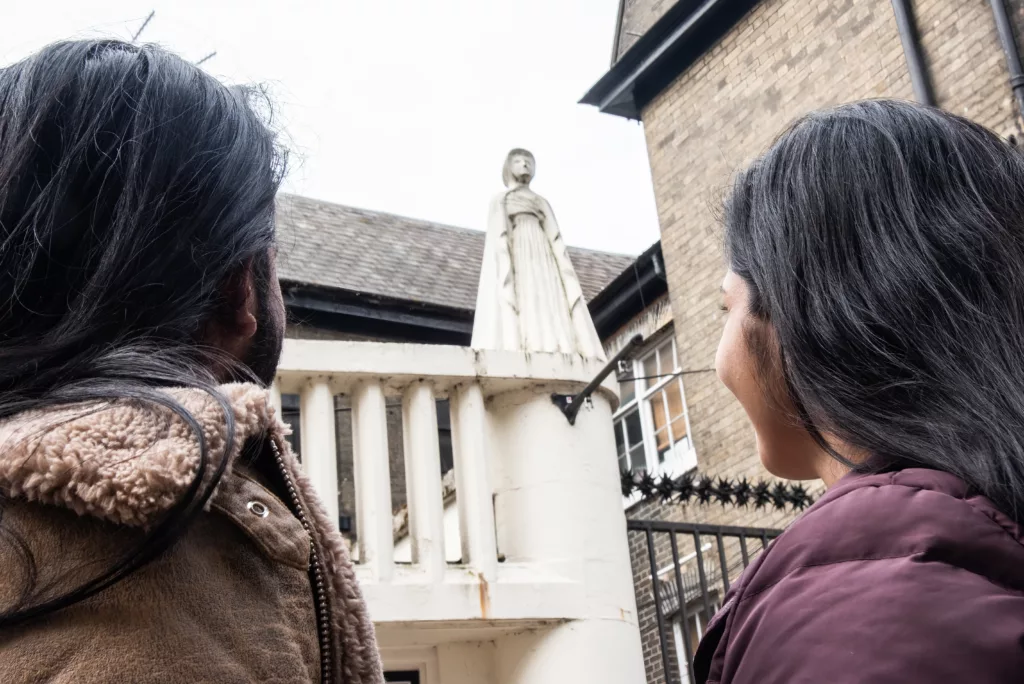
408 106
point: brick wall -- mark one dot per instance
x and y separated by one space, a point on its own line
786 57
966 61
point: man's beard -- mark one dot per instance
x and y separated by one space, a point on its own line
264 353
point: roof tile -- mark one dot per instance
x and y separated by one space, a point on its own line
335 246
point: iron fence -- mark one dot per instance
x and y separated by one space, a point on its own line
681 572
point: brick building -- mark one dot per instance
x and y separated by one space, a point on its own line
713 82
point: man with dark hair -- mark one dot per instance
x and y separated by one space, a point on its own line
154 526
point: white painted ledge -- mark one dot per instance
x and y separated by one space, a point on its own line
345 364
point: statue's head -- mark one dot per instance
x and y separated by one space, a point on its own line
520 166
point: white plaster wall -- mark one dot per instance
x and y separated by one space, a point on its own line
561 607
466 663
597 652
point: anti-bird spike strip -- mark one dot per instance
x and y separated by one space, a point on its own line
721 490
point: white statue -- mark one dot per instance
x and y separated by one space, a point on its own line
529 297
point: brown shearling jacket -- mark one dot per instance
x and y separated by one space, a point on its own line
258 589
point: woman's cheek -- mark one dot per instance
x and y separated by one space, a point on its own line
729 359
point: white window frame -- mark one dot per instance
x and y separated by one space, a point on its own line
691 612
682 457
693 619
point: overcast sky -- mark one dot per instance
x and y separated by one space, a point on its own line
408 106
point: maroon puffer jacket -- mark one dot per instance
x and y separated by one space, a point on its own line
902 577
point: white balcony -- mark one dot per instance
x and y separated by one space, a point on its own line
543 591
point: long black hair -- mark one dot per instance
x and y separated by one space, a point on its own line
133 187
884 243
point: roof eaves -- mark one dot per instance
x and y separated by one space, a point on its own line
630 292
684 33
339 301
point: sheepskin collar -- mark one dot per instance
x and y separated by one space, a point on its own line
125 462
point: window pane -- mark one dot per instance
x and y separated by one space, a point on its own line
658 411
627 390
651 370
669 361
665 356
679 428
664 445
620 442
637 459
623 463
634 433
674 398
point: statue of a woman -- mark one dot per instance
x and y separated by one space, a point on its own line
529 297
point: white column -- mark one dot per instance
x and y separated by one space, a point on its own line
372 480
319 444
423 479
472 480
558 508
275 398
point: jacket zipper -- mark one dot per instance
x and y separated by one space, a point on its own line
317 576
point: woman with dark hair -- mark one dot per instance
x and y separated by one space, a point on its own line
154 526
875 337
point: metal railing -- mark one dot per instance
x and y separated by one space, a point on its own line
681 573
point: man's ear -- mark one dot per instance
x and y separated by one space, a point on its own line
239 296
233 323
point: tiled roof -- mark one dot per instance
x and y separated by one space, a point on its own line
335 246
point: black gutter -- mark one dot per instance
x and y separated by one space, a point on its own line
920 80
617 39
629 293
361 315
677 40
1009 43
